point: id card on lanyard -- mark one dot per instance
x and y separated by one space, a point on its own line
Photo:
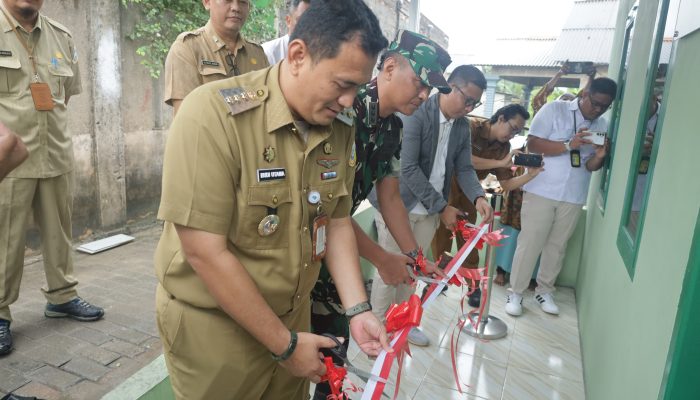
41 92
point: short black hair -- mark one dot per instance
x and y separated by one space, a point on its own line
295 3
327 24
385 55
604 86
509 112
464 74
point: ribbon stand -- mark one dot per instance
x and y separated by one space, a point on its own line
490 327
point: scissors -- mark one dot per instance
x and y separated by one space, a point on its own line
339 351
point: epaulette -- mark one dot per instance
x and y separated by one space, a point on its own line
58 25
347 116
181 37
248 42
241 99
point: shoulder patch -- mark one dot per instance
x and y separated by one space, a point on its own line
58 26
242 99
189 34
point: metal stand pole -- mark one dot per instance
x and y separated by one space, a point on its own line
490 327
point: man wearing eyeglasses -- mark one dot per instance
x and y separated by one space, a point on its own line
491 154
436 146
552 201
213 52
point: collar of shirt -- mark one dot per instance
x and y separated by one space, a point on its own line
366 95
215 43
7 27
443 119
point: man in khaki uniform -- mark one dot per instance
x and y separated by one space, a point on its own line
257 180
33 98
215 51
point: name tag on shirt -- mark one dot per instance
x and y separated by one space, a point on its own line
271 174
5 53
210 63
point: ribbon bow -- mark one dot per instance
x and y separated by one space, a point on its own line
334 376
406 314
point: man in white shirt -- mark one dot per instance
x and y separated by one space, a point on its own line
552 201
276 49
436 144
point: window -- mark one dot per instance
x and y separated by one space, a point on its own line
646 143
617 105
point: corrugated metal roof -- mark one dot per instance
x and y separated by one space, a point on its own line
584 45
588 33
513 52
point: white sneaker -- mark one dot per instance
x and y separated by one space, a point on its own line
514 304
547 303
417 337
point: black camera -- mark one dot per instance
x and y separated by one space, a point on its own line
528 160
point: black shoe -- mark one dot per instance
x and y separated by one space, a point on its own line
77 309
475 298
5 337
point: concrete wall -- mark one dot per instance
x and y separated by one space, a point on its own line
626 324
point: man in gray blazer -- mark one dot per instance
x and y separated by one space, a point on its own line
436 145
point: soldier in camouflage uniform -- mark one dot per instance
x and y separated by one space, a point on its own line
411 66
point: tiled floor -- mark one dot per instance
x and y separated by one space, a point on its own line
539 359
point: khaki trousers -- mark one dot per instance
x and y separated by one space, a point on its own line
547 226
210 356
51 201
383 295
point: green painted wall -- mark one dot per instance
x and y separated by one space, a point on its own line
626 325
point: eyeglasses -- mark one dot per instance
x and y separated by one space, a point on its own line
599 105
234 69
514 130
468 101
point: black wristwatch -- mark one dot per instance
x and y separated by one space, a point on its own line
358 309
413 253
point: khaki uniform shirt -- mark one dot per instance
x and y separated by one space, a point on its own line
44 132
222 174
200 56
490 150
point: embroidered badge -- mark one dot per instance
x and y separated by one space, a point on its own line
327 163
353 157
253 61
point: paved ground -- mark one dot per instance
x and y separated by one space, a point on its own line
66 359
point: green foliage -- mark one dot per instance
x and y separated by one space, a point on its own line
159 22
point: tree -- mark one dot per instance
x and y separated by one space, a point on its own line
162 20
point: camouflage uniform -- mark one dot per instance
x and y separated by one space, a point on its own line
376 153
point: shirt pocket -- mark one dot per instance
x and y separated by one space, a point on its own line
212 73
261 204
59 73
331 193
11 75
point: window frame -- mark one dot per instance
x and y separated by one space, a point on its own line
627 242
614 124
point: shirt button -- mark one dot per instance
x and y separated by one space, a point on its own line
298 297
304 229
330 196
274 200
306 266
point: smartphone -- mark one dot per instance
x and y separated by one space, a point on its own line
597 138
528 160
579 67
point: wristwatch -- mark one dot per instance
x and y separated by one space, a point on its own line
567 145
413 253
358 309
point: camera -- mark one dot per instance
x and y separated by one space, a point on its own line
597 138
528 160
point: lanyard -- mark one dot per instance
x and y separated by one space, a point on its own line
30 52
